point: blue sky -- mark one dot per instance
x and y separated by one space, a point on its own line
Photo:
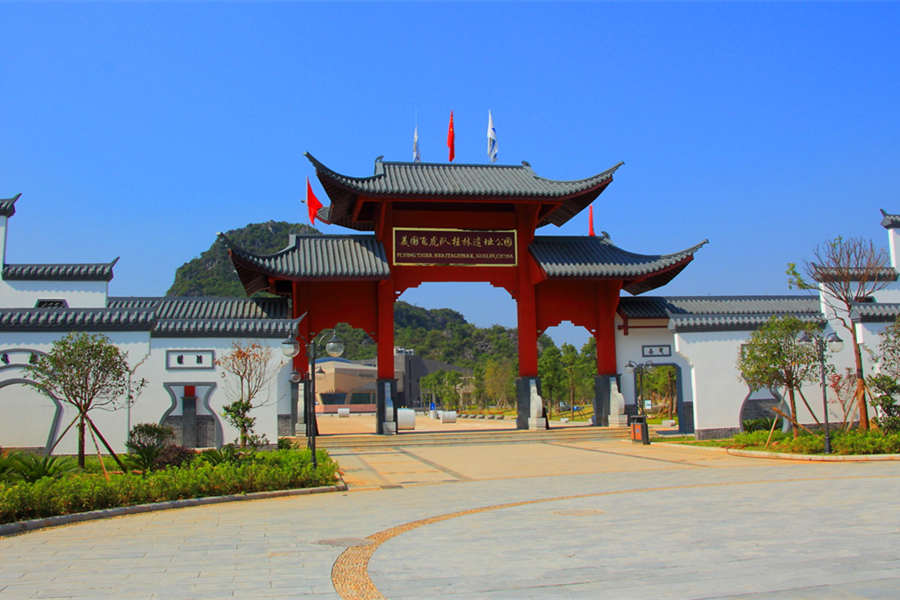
140 130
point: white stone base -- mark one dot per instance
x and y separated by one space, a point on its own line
389 427
618 420
536 423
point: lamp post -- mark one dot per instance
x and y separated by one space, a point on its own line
835 344
291 348
639 368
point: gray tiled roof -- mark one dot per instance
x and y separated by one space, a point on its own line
424 180
261 328
889 221
854 274
199 316
204 307
731 322
875 312
597 257
8 206
318 257
59 272
659 307
75 319
163 317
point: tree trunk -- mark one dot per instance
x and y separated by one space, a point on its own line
793 411
81 441
860 389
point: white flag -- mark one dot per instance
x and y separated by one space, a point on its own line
491 139
416 156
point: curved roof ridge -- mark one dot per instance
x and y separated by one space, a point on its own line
8 205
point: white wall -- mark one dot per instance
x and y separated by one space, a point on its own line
78 294
629 348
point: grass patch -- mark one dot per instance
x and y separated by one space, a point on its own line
842 442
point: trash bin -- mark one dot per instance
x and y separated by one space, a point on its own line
639 431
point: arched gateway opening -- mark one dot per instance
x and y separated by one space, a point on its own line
458 223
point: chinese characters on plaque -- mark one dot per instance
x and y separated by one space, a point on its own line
425 246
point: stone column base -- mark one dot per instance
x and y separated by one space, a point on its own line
537 423
618 420
388 428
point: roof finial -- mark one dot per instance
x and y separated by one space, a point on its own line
379 165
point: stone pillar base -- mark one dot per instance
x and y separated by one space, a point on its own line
386 407
388 428
537 423
529 406
618 420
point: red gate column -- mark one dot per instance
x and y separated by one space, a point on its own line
529 405
605 336
386 390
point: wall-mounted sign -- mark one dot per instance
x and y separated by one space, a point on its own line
656 350
420 246
190 359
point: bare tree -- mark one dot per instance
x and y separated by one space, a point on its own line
847 271
246 372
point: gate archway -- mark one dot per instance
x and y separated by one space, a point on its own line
458 223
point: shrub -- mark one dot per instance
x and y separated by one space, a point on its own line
757 438
282 469
146 441
31 467
762 424
173 456
286 443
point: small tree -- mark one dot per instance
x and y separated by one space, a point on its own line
550 370
246 371
86 371
773 358
847 271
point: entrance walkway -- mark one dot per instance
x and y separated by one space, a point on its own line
585 519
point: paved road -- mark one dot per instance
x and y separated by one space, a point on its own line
571 520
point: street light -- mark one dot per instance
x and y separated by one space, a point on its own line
835 344
291 348
640 368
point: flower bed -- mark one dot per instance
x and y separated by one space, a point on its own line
83 491
842 442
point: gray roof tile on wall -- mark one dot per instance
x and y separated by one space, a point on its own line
875 312
731 322
75 319
889 221
261 328
854 274
8 206
59 272
662 307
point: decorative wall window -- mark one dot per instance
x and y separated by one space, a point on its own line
190 359
51 303
656 350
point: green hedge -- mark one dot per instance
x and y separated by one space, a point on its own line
277 470
842 442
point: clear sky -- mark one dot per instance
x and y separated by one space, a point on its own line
140 130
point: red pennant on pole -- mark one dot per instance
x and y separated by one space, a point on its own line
591 223
451 139
312 203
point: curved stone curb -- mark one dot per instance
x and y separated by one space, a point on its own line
24 526
813 457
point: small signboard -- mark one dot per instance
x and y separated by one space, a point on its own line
658 350
421 246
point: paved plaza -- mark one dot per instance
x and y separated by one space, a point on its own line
583 519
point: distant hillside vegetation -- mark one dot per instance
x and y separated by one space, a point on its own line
212 273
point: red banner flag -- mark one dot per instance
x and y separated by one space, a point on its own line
451 139
312 203
591 223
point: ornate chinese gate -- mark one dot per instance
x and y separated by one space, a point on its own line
459 223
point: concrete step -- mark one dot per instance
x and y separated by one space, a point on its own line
505 436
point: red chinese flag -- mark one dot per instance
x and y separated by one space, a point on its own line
451 139
312 203
591 222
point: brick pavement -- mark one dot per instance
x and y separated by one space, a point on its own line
544 520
